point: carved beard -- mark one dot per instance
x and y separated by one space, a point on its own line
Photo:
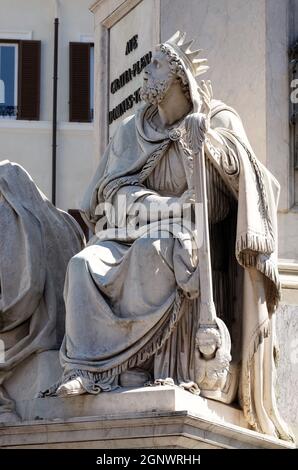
155 93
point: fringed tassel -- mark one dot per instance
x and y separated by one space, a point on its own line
265 266
253 242
259 258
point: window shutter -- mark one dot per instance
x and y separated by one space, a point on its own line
29 80
79 82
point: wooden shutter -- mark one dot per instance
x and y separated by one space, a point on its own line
79 82
29 80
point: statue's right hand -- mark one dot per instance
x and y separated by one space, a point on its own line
188 197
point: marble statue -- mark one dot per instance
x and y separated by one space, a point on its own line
37 241
133 313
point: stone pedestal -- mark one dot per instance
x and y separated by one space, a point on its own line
149 417
162 417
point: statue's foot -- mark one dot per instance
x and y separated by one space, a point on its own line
71 388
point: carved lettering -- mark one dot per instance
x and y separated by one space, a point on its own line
131 45
130 73
124 106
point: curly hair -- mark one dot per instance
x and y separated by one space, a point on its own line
208 333
176 68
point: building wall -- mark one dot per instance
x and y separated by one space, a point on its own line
29 143
232 36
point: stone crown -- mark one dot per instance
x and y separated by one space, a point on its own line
182 48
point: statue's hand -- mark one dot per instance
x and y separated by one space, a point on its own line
196 126
188 197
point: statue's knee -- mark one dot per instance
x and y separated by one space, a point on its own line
151 246
144 247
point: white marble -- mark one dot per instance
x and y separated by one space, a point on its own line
152 417
157 399
36 373
287 371
154 430
37 242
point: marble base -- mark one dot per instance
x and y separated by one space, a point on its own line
148 417
157 399
174 421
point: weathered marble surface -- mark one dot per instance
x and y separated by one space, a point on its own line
37 241
32 375
287 371
153 417
154 430
87 422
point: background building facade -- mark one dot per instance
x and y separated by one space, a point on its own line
27 138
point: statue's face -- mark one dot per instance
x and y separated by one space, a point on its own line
158 70
208 341
157 79
208 346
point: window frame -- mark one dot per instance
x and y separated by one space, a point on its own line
21 114
91 80
16 43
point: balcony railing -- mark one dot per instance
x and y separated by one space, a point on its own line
8 112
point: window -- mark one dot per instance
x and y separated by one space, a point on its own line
19 79
81 81
91 81
8 80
